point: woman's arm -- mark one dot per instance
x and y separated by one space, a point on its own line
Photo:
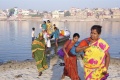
82 46
33 56
107 60
80 49
53 33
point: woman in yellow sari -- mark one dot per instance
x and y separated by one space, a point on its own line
49 27
96 56
38 53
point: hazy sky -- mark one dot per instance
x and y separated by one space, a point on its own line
50 5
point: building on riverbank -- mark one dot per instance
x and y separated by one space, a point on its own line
73 14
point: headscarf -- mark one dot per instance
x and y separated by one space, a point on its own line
40 34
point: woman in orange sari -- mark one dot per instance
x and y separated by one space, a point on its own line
70 60
96 56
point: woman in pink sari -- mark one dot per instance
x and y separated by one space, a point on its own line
96 55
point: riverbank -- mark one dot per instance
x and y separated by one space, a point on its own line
27 70
64 19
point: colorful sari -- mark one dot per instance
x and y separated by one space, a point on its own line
49 28
38 49
94 60
70 68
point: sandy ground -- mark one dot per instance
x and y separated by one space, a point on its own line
27 70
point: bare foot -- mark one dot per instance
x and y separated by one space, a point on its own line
40 73
62 78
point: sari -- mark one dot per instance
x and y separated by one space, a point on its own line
94 60
49 28
70 68
38 48
44 26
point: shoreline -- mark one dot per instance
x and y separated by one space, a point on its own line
27 70
12 61
64 19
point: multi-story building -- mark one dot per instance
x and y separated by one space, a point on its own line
57 14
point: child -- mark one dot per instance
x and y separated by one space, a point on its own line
45 36
33 34
48 41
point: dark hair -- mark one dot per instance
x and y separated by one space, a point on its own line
44 22
97 27
33 28
54 24
76 34
55 28
45 30
48 21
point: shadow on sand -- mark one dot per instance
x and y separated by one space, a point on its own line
58 70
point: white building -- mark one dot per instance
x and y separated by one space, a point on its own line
24 12
2 13
34 12
57 14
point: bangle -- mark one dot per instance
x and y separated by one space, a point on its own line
104 69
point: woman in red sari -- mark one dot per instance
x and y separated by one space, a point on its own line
70 60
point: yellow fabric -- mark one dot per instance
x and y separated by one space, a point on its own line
43 68
62 32
94 60
37 49
49 28
41 34
39 43
96 74
39 62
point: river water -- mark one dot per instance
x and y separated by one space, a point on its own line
15 36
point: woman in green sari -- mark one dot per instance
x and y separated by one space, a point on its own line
38 53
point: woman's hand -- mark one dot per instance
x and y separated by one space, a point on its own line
104 71
67 56
85 47
33 56
107 60
90 44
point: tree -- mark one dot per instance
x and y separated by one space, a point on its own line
67 13
11 12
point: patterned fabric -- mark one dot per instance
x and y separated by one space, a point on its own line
70 68
38 48
49 28
94 60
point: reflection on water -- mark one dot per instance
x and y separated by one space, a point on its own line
15 36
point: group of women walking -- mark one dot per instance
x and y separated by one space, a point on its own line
96 56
